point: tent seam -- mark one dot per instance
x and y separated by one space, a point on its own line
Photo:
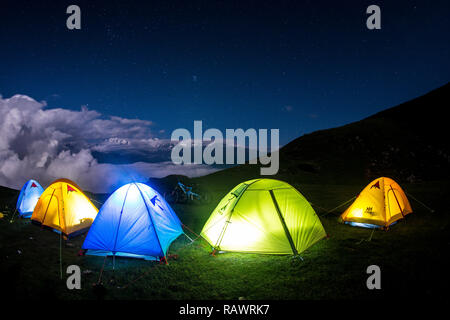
120 220
151 219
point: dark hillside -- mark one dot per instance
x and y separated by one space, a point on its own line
406 142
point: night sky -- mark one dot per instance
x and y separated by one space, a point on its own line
294 65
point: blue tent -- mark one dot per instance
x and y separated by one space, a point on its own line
28 197
136 222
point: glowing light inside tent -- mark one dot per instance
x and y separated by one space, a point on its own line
83 214
240 234
381 202
267 216
28 198
69 212
363 225
358 213
130 224
213 232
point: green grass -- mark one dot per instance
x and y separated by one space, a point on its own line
411 256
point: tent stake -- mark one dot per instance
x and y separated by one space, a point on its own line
12 218
298 257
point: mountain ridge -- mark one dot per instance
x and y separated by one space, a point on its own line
404 142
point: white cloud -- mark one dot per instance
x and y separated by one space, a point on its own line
48 144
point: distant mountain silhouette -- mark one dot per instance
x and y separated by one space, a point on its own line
160 154
407 142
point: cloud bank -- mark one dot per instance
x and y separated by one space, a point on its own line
47 144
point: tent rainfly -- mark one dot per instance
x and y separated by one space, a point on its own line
379 205
28 198
64 208
135 221
263 216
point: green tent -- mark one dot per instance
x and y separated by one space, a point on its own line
263 216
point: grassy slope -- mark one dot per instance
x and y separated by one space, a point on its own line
410 256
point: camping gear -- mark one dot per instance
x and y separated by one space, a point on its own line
135 221
28 198
263 216
379 205
184 193
64 208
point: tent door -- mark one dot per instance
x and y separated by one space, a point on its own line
395 202
238 194
50 218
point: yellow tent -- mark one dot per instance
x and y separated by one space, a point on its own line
380 204
64 208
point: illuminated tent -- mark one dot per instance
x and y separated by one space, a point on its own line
263 216
135 222
380 204
64 208
28 197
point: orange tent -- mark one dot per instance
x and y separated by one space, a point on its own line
64 208
381 203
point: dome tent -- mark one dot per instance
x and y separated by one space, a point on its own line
263 216
64 208
380 204
135 221
28 198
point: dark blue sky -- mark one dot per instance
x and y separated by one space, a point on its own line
294 65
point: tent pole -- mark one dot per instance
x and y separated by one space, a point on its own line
120 220
219 240
60 240
398 203
48 206
286 230
222 233
151 219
